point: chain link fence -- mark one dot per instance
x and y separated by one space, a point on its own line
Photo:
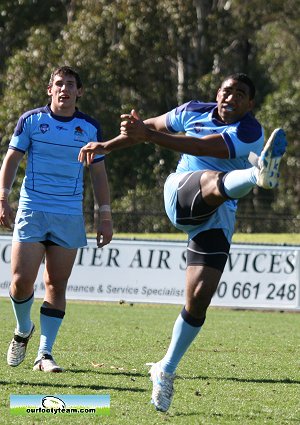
250 219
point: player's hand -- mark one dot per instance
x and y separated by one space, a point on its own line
132 126
104 232
89 151
6 215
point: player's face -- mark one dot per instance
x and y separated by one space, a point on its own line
64 93
233 101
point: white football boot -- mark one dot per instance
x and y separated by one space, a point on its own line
269 160
17 347
46 363
163 389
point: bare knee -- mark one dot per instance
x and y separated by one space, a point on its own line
21 286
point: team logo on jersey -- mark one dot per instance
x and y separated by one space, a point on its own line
44 128
78 131
198 127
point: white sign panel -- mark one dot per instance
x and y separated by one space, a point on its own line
260 276
154 271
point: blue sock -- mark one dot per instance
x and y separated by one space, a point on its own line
22 309
50 320
238 183
186 328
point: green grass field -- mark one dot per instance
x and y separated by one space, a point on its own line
252 238
242 369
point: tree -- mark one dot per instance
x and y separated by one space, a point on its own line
153 56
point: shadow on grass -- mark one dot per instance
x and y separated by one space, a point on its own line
258 381
226 419
104 372
88 387
181 414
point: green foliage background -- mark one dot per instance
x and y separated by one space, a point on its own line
153 56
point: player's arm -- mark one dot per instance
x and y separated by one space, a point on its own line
212 145
122 141
102 196
133 131
91 149
154 130
7 176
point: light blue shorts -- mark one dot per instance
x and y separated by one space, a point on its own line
64 230
223 218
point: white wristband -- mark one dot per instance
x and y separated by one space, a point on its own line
104 208
4 192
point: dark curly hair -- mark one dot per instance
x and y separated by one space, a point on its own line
244 79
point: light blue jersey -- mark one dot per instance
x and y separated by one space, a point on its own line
53 179
199 119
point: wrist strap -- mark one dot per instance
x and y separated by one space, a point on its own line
4 192
104 208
